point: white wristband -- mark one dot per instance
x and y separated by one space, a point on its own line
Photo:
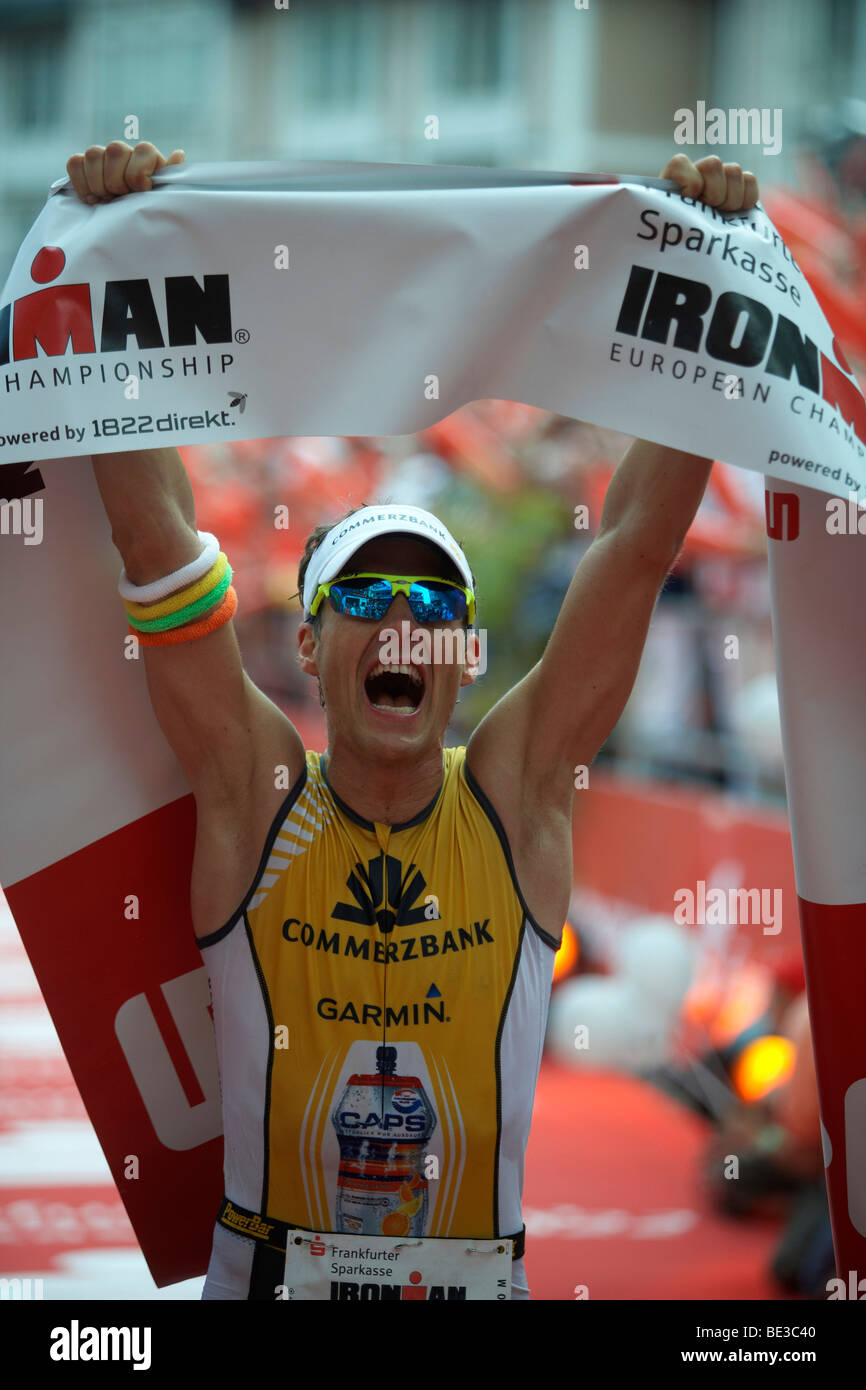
188 574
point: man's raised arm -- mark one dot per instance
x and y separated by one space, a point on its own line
222 729
560 714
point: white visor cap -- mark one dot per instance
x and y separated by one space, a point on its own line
331 556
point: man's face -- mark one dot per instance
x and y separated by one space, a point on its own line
385 715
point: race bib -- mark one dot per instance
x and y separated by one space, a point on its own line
349 1268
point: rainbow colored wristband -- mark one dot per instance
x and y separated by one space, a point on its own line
147 612
183 615
211 623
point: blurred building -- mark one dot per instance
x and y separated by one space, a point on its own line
526 83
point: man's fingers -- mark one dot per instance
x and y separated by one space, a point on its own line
114 165
146 159
681 168
713 172
75 170
720 185
93 162
723 186
110 171
750 190
176 157
735 187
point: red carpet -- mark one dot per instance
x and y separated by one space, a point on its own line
612 1199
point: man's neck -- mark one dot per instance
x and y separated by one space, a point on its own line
389 793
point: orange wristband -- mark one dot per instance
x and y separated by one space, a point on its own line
174 635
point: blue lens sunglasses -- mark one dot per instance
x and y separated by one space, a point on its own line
370 596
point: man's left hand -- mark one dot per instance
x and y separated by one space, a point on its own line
723 186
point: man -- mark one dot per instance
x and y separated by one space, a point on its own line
380 937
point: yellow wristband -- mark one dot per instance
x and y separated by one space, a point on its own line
144 611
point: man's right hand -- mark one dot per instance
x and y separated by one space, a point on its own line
105 172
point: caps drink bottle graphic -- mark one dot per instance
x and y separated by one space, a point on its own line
383 1122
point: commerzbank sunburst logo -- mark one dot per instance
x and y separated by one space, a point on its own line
385 897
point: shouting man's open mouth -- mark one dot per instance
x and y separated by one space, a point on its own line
395 690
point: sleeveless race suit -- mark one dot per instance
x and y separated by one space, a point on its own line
356 934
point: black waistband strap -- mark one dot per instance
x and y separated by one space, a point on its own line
266 1231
